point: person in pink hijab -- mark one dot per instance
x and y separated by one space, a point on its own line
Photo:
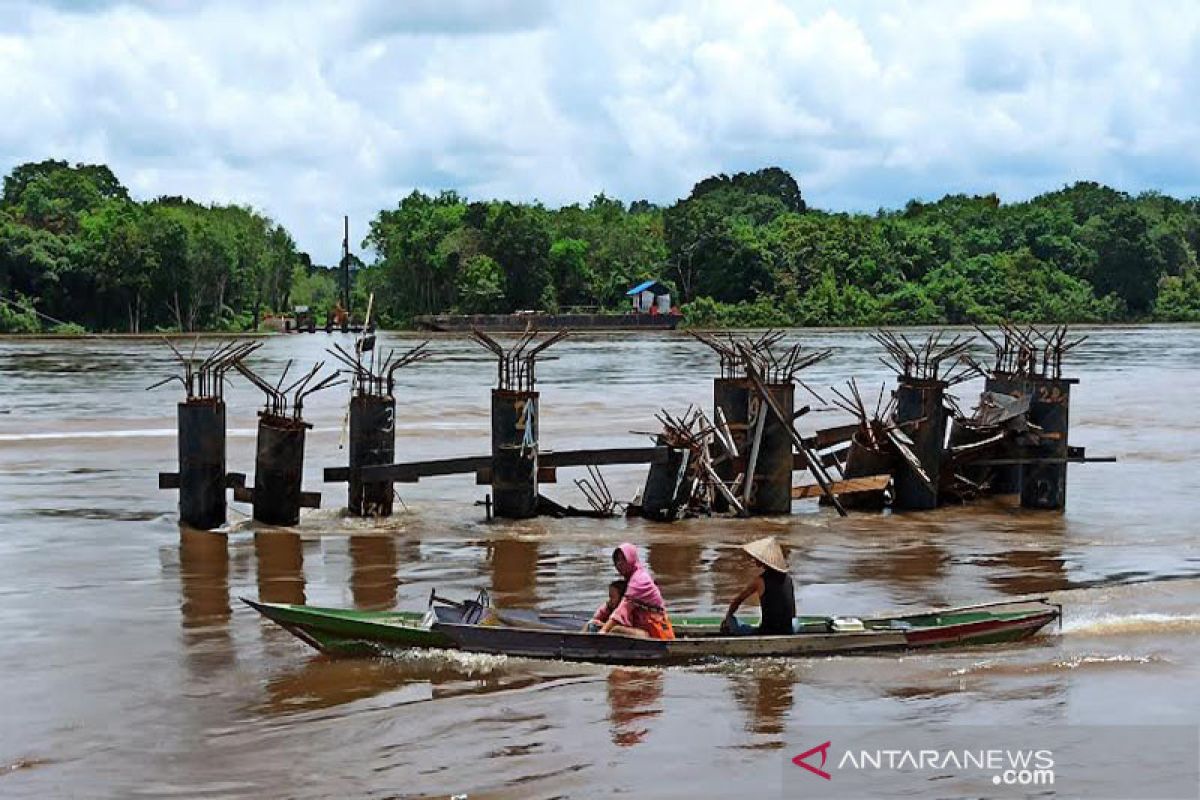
641 611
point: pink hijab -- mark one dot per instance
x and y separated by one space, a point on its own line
642 589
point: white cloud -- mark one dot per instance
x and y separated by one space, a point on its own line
312 110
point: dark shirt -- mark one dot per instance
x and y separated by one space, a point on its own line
778 603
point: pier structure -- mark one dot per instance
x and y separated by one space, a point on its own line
201 479
517 464
923 373
1022 424
670 484
871 456
744 456
278 495
372 420
515 413
915 451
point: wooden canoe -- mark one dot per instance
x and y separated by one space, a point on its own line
531 634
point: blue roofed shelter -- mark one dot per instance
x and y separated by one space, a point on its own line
650 297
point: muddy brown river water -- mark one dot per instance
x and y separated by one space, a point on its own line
129 669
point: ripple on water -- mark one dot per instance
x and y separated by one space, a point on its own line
1075 662
1131 624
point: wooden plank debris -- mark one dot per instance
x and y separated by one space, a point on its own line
871 483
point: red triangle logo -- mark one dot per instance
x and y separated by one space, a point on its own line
823 749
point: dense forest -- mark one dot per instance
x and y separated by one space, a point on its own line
76 251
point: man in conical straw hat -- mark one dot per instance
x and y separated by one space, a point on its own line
775 593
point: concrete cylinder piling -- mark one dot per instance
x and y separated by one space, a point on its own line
200 419
921 414
279 470
1044 478
372 443
372 421
763 444
917 434
668 486
1032 460
278 496
202 476
515 412
754 409
1005 479
770 464
731 403
514 453
740 461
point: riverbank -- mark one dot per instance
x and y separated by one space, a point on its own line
653 331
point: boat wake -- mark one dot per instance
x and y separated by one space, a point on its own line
469 665
1082 661
1131 624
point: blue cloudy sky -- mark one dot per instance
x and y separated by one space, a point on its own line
311 110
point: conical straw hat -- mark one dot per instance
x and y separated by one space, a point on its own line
768 553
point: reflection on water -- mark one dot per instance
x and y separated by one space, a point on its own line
676 567
204 578
634 699
765 695
908 563
730 571
373 578
280 558
204 590
1027 571
514 568
324 682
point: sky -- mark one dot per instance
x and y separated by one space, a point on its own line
308 111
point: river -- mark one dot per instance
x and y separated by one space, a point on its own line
129 668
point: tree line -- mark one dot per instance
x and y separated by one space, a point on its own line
77 253
742 249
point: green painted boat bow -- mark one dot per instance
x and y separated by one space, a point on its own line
349 632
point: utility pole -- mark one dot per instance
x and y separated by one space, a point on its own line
346 265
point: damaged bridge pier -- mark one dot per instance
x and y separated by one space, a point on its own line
277 495
514 467
372 421
924 370
1006 478
1025 409
921 413
202 480
770 467
668 484
731 403
1044 478
754 411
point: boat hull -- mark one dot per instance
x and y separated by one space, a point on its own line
528 634
700 644
516 323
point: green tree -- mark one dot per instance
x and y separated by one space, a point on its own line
570 271
481 286
518 239
1128 264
